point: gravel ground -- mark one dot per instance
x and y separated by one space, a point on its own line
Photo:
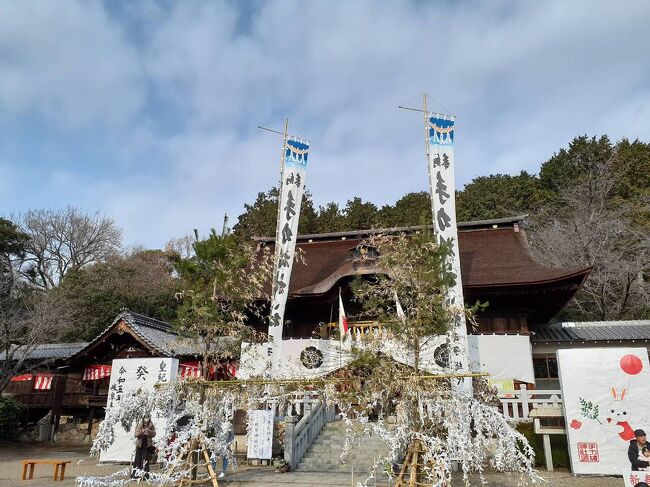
11 470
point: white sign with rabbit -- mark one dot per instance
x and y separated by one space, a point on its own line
605 394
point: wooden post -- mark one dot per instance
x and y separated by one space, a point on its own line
57 403
524 400
208 464
91 416
289 441
548 453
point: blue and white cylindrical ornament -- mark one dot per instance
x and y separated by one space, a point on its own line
440 150
296 152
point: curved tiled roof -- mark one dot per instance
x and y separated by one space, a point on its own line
492 254
596 331
49 351
157 335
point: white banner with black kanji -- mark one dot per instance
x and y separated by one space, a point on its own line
440 149
291 191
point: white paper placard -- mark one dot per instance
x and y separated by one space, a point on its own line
134 374
631 479
605 395
260 434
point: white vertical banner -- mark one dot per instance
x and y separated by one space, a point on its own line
259 434
440 153
605 395
136 374
292 187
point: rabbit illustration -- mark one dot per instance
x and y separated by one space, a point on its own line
617 414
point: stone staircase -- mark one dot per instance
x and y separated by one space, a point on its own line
324 455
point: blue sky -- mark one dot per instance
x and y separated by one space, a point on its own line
147 111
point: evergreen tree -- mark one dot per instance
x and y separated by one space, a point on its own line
497 196
360 215
330 218
94 295
410 210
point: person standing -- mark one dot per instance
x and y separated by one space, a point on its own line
144 434
635 447
227 436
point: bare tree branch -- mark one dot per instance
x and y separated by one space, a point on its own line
592 228
62 240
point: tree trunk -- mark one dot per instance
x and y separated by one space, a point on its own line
5 378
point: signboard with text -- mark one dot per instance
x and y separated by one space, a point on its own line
604 391
260 434
135 374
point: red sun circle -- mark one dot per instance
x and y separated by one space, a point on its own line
631 364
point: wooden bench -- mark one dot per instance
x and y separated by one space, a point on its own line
55 464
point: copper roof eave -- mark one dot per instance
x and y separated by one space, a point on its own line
375 231
330 281
582 272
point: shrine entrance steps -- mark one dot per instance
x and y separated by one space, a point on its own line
324 455
266 477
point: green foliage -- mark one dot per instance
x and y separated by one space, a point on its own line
259 219
559 446
198 269
359 215
223 286
95 295
10 413
12 240
416 270
568 165
410 210
588 409
12 246
330 218
497 196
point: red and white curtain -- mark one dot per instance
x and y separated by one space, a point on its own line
96 372
43 382
192 370
189 370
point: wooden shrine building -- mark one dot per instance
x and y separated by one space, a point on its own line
496 266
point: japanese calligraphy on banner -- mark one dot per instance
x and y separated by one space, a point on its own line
604 391
291 191
260 434
632 479
135 374
440 152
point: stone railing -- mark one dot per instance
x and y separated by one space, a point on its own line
518 404
299 436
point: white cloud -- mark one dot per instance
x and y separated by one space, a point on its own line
188 87
68 62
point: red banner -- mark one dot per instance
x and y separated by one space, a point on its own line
96 372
